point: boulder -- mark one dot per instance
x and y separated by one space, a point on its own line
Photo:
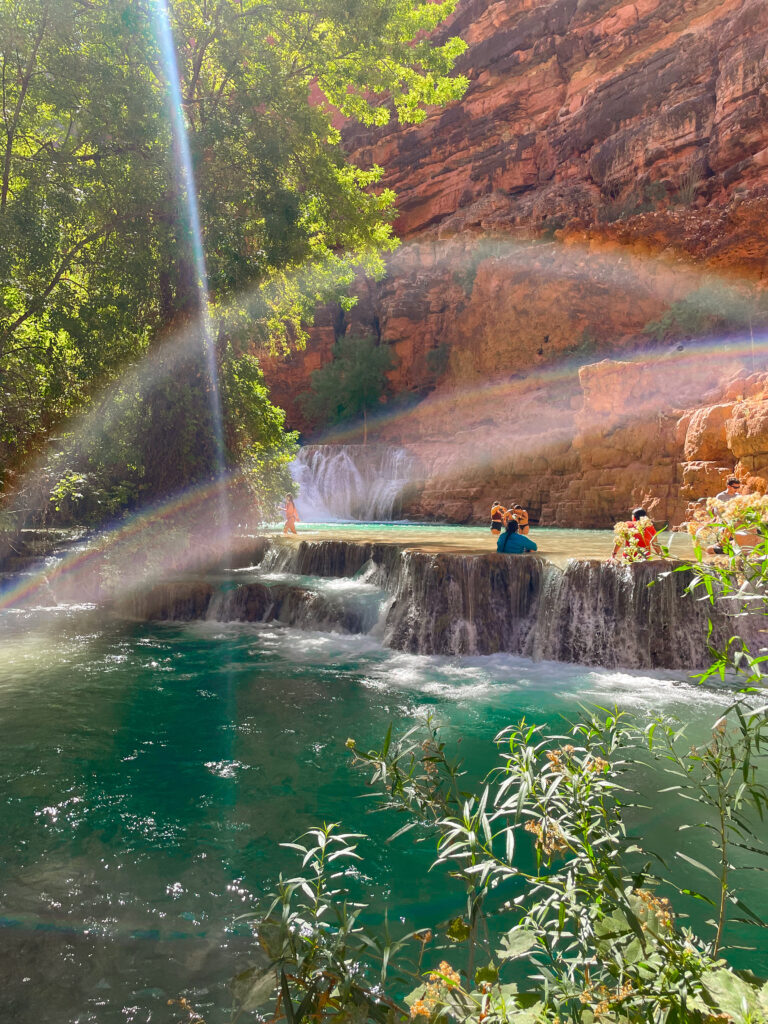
705 438
747 429
703 479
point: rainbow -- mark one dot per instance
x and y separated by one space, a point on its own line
685 360
86 561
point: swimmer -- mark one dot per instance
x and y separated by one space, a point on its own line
521 515
511 542
498 512
291 515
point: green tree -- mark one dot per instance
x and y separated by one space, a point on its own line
351 385
97 258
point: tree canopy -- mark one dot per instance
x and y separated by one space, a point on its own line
96 253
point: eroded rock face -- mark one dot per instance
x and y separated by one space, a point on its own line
606 160
706 437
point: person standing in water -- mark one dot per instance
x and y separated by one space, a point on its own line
497 517
521 515
291 515
512 542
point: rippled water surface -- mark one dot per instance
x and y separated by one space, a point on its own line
147 774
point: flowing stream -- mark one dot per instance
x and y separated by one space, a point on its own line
149 771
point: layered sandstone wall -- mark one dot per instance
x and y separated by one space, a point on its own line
626 438
609 159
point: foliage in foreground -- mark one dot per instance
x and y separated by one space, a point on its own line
564 917
737 575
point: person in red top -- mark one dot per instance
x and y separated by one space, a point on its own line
291 515
647 544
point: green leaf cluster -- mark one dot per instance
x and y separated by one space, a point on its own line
543 858
715 308
352 384
97 256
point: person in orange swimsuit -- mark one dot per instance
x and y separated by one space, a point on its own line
291 515
521 515
498 512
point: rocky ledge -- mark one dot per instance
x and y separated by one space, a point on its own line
591 613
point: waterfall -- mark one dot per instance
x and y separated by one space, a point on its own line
355 481
591 613
463 604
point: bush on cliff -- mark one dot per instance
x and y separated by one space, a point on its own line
352 385
714 310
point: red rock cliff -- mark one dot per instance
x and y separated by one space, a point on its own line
608 159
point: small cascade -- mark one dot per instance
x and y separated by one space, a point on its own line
619 616
592 613
178 601
330 558
340 605
463 604
343 482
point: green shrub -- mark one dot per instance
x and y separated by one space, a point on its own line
713 308
352 385
585 932
438 359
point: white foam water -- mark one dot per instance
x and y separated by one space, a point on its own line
351 482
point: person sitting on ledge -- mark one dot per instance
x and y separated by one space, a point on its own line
732 489
635 540
513 542
498 512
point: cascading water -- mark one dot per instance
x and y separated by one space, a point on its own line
342 482
590 613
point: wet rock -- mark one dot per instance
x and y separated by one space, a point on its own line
592 613
178 601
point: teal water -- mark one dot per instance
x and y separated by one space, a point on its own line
148 775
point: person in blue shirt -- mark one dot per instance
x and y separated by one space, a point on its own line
513 542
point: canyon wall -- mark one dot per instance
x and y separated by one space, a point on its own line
608 161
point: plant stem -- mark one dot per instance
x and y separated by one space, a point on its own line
723 871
